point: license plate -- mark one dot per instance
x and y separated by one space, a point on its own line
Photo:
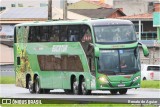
121 85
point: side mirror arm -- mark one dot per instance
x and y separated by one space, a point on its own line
145 49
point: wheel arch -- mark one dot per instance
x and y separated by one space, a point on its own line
35 76
28 76
72 79
81 77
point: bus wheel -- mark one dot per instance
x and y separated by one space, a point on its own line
113 91
75 87
144 78
84 88
31 86
38 90
123 91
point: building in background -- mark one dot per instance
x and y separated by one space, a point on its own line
147 35
89 4
147 27
5 4
99 13
13 16
28 3
143 26
6 54
133 7
156 19
156 23
154 52
95 9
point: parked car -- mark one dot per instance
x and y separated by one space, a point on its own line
150 72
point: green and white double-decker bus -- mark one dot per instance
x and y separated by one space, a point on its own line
77 56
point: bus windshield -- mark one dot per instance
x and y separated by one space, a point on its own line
113 62
115 33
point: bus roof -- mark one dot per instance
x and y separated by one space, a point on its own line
95 22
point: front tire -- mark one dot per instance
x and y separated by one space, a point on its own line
144 78
114 92
122 91
46 91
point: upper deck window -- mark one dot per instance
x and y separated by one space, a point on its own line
114 33
60 33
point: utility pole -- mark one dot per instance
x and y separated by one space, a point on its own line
49 9
65 10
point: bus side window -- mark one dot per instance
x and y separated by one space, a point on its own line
73 33
54 36
44 35
63 33
30 35
33 37
86 36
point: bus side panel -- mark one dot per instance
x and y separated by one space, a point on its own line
19 65
67 80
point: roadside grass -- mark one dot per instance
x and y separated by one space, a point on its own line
76 105
7 80
150 84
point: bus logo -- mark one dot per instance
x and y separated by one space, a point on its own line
6 101
59 48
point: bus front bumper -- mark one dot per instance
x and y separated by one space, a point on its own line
118 85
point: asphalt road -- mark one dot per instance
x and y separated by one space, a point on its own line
11 91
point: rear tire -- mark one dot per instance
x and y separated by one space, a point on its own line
31 86
83 88
75 87
113 92
38 90
122 91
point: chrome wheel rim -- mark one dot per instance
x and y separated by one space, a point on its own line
37 87
83 88
75 88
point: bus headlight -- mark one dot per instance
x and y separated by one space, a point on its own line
136 78
103 80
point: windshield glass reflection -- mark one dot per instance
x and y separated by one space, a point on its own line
119 61
115 33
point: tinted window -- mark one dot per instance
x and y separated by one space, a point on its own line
114 33
119 61
60 63
153 68
60 33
